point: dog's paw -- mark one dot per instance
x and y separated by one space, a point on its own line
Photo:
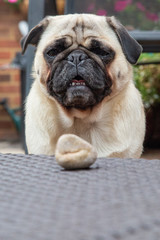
72 152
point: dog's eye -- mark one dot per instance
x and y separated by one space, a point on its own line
53 52
99 51
105 53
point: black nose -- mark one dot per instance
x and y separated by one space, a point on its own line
77 56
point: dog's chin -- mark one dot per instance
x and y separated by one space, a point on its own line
80 97
78 94
78 88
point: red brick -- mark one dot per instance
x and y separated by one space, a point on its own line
9 44
16 101
6 124
9 89
8 135
9 79
4 32
2 112
5 55
5 78
17 77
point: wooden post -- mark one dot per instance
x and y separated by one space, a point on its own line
38 9
70 7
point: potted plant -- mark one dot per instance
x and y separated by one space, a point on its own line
14 3
147 80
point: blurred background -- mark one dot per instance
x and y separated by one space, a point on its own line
141 18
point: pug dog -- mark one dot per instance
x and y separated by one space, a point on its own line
84 86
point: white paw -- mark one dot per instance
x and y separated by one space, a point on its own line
72 152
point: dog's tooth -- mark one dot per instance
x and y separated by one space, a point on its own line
77 84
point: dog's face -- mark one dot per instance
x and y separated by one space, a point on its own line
82 59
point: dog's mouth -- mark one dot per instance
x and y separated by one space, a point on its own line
77 81
79 87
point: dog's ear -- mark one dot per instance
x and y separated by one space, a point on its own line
131 48
34 35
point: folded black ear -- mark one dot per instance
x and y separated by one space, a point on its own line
131 48
34 35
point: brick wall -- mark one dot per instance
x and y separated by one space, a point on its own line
10 78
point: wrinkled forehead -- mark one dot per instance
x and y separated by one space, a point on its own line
78 27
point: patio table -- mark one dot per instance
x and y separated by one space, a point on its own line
113 200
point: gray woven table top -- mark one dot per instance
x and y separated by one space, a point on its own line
113 200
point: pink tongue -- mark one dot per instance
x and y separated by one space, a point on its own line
78 81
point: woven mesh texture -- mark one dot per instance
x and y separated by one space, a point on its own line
113 200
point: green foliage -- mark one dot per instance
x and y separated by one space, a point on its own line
13 3
134 14
147 79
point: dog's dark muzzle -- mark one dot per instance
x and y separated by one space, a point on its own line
76 57
78 81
